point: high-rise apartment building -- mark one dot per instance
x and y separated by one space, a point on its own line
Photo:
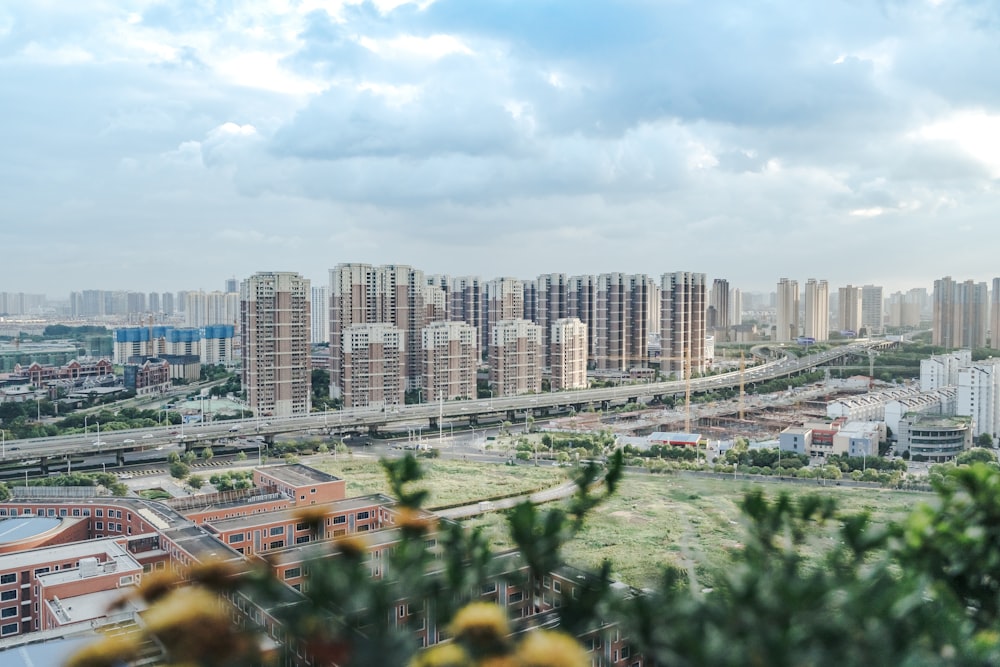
466 299
552 304
872 310
816 323
568 340
319 304
719 310
995 315
682 323
735 307
374 357
366 294
849 309
979 396
786 311
503 300
582 304
515 355
274 331
206 308
625 308
904 310
961 313
450 361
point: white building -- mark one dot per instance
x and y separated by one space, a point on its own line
979 396
568 354
869 406
319 328
940 401
941 370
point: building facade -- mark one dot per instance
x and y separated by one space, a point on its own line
515 356
568 368
275 321
450 360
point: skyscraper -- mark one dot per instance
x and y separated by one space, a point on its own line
872 309
849 309
682 323
274 317
787 311
515 357
719 310
568 338
817 316
961 314
319 304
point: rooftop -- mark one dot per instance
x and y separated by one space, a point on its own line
68 553
297 474
22 528
279 516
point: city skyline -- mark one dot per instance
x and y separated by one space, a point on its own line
158 146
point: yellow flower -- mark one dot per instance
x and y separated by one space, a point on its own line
544 648
194 624
442 655
216 575
481 629
156 585
108 652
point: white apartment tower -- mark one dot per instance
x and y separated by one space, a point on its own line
995 315
735 307
320 319
817 315
849 309
979 396
682 323
515 354
872 310
450 359
374 363
274 332
787 311
568 340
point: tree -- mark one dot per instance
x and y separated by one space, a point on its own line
195 482
179 470
984 440
207 453
976 455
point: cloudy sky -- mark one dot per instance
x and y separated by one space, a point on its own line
170 145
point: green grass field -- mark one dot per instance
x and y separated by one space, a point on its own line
450 482
689 522
692 523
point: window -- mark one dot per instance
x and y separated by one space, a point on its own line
98 512
235 537
8 578
302 539
8 629
362 515
490 587
8 595
277 530
63 511
9 612
293 572
276 544
339 519
41 570
556 586
312 490
516 596
99 525
76 511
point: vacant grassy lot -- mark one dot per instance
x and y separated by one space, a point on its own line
449 482
692 523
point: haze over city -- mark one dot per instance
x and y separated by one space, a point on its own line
158 146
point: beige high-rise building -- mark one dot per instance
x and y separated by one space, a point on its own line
961 314
503 300
849 309
391 294
568 340
817 315
552 305
718 309
787 311
466 304
450 354
274 332
582 305
624 320
515 354
682 323
374 365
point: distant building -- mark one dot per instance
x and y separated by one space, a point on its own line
274 333
450 356
787 311
152 376
934 438
372 365
568 354
941 370
515 357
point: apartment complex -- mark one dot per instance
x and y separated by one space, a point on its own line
515 357
849 309
682 323
816 324
960 314
275 321
787 311
568 354
372 365
450 361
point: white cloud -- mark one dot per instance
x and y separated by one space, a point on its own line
976 132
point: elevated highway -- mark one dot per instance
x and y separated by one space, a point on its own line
374 418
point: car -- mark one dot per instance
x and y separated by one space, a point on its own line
175 432
99 443
128 441
200 435
147 436
233 429
13 449
125 475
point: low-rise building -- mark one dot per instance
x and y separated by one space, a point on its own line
933 437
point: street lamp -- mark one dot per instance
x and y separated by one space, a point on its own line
85 417
491 399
